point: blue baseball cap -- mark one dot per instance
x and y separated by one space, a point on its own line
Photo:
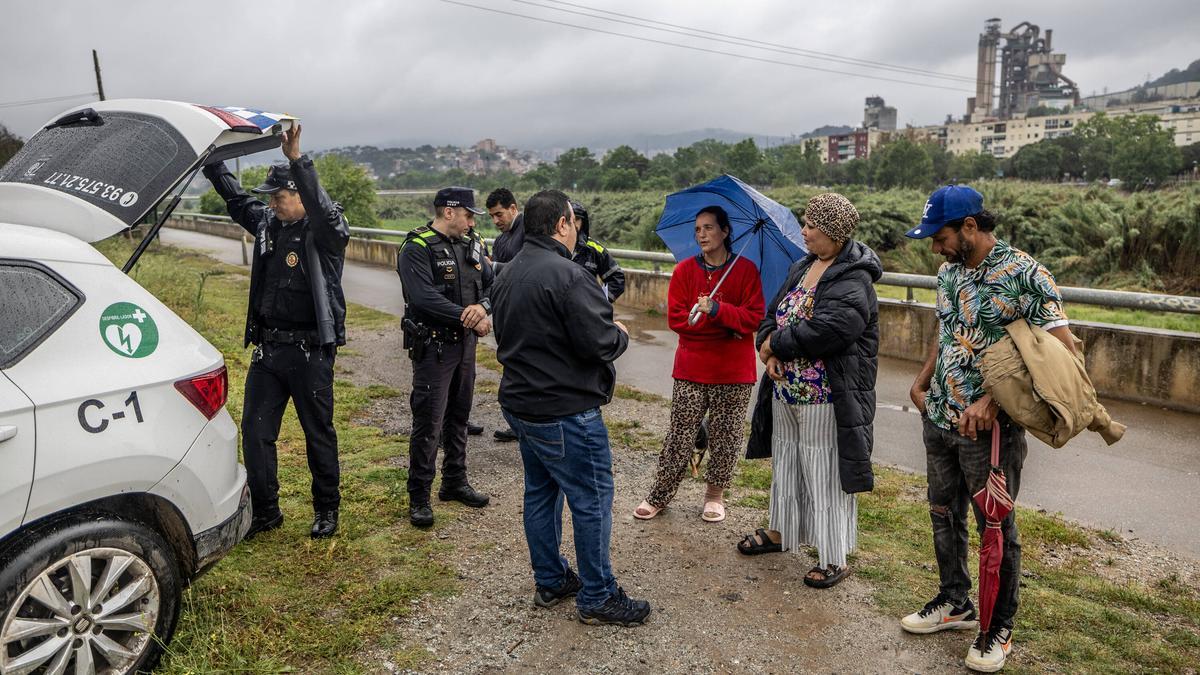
946 204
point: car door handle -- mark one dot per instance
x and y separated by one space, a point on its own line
7 432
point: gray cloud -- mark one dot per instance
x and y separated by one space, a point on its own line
424 70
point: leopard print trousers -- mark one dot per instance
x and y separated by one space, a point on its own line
726 407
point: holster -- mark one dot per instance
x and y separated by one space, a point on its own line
416 338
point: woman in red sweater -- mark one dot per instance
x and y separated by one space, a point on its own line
715 367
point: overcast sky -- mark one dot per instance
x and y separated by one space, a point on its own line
377 72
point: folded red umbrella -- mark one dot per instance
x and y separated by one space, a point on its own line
996 504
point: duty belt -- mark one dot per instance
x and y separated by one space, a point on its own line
445 335
289 337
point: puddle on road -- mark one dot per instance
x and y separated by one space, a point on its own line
646 328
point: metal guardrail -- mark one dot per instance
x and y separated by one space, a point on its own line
1156 302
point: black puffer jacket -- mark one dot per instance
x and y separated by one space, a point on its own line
844 332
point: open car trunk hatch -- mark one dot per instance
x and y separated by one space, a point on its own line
100 168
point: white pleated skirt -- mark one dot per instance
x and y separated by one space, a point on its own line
808 506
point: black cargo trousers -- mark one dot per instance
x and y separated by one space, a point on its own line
304 375
442 390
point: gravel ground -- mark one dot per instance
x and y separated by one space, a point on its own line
714 610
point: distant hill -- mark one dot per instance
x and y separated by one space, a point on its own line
656 143
1175 75
395 157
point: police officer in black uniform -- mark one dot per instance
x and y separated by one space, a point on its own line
445 275
296 320
594 257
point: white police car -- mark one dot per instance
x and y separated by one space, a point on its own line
119 479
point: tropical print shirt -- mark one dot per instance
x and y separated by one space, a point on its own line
804 382
973 307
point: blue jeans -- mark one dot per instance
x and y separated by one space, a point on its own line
568 457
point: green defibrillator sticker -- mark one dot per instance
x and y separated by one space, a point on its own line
128 330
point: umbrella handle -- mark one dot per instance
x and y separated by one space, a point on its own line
694 315
996 443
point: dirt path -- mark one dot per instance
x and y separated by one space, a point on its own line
714 610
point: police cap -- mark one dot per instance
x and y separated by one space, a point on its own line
279 177
457 196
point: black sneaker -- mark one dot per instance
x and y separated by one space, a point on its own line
464 493
474 429
264 524
504 435
549 597
325 523
421 515
618 610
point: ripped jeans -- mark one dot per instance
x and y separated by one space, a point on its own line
957 468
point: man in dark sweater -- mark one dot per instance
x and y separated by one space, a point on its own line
557 341
506 214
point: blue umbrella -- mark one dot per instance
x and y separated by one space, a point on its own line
765 232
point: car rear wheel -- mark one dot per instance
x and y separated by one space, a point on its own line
95 597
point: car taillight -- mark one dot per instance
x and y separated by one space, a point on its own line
207 392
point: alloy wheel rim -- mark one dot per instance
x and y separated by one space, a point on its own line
91 612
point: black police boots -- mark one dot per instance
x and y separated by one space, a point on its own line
474 429
420 515
464 493
325 523
265 523
505 435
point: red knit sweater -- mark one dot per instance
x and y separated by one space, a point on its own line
718 349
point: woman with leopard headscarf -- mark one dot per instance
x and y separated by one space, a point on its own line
816 404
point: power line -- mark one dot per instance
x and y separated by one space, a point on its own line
704 49
39 101
690 31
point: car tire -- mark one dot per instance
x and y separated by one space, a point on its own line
56 567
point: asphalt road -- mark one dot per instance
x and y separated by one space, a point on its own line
1146 486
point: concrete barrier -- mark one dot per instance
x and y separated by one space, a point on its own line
1146 365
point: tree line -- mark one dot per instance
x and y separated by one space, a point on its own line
1132 148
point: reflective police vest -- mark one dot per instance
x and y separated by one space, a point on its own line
461 286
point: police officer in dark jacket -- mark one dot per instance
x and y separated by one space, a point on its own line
595 258
296 320
445 275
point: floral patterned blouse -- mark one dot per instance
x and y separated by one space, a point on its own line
973 307
804 382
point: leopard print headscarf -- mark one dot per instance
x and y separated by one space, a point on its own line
832 214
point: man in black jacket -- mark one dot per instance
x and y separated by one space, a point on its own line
506 214
296 320
557 342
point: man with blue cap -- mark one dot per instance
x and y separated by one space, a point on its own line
984 285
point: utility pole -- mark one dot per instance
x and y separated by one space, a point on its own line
99 83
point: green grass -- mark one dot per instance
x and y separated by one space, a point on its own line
630 434
633 394
1071 618
284 602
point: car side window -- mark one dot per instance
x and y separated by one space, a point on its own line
34 302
